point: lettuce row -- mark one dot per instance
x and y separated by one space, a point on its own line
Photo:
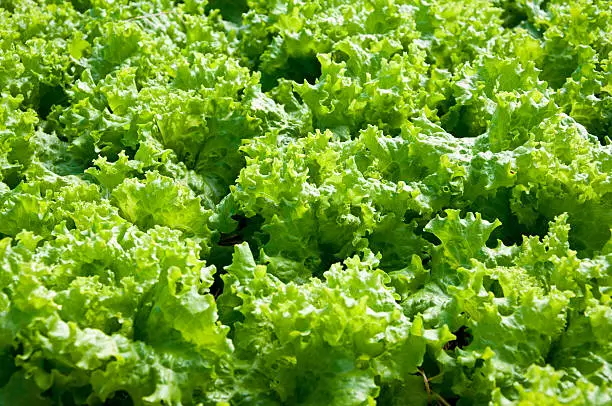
288 202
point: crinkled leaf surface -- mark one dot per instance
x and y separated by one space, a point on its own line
284 202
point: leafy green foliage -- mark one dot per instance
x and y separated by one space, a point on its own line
305 202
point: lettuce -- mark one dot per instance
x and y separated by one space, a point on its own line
284 202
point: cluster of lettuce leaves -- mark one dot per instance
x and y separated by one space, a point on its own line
291 202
